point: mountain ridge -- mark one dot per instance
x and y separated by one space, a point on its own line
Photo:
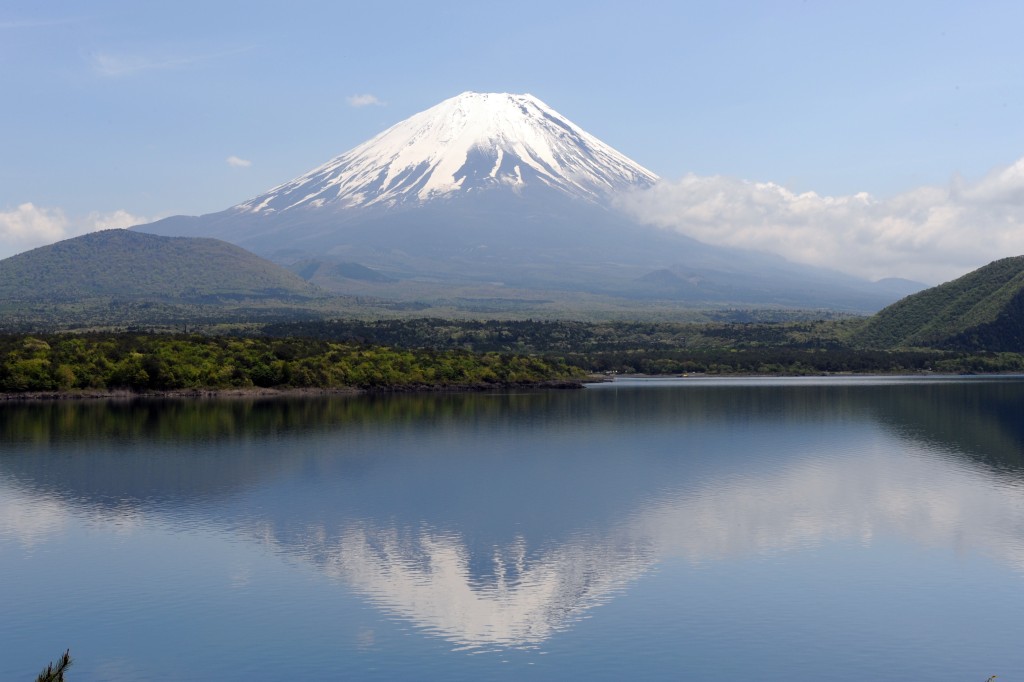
980 311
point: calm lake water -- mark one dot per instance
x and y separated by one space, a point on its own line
789 529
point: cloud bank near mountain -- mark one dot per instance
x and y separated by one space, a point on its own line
29 226
931 234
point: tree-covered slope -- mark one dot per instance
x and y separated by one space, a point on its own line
133 265
983 310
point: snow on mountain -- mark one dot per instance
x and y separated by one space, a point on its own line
469 143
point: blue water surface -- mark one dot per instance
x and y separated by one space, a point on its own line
783 529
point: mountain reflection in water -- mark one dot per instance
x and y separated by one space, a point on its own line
502 519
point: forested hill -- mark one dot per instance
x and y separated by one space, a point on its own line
133 265
983 310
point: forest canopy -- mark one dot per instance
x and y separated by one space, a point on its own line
161 363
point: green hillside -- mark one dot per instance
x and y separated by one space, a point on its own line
983 310
129 265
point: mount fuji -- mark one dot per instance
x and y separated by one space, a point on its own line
468 144
498 196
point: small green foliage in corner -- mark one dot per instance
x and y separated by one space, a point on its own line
54 672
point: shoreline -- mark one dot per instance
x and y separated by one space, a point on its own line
349 391
257 392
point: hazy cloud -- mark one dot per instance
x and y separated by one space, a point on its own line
366 100
931 234
236 162
29 226
36 23
112 66
116 65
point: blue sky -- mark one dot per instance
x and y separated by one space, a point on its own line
115 111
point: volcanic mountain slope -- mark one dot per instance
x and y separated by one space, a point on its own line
499 193
983 310
470 143
136 266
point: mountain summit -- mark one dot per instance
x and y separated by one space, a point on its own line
469 143
492 202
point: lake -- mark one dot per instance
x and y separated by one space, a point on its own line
732 529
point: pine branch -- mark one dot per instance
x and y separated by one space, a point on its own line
55 672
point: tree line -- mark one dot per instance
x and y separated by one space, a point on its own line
141 362
789 348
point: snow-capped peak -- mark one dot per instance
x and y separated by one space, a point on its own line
471 142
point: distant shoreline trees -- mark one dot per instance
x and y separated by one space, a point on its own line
143 363
392 355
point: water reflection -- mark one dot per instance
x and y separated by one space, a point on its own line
30 519
519 599
499 520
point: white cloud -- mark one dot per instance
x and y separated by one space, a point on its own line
118 219
364 101
237 162
29 226
931 234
